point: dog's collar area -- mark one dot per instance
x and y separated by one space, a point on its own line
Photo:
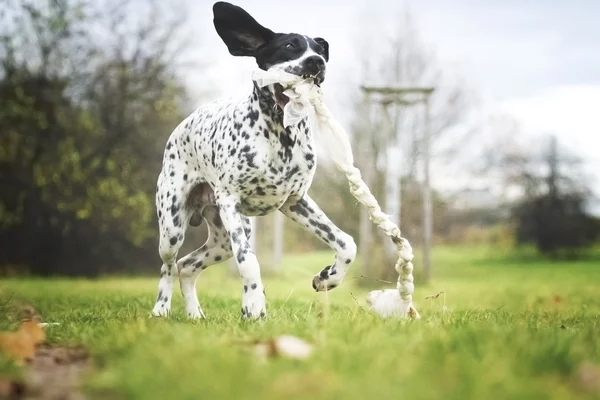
266 98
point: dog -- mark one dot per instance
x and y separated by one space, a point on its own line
232 159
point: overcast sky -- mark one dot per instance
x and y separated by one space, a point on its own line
536 61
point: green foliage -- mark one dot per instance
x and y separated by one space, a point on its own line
82 127
511 329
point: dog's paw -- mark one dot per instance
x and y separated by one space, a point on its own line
253 303
195 313
161 310
329 278
162 307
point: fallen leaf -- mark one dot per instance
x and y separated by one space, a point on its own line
21 345
587 377
556 299
284 346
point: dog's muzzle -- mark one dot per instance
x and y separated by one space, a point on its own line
314 67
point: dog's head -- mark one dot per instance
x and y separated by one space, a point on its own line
290 52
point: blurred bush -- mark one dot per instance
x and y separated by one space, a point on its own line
86 104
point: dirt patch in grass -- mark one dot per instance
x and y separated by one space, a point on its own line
54 373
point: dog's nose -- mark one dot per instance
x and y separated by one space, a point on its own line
314 66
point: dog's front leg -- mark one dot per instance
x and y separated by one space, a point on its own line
253 295
308 214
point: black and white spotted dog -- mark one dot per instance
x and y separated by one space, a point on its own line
232 159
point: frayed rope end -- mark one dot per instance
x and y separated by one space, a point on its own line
387 303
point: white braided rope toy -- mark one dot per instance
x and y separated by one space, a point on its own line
304 97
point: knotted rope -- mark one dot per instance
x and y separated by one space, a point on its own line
305 99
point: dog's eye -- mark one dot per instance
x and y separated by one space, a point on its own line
289 46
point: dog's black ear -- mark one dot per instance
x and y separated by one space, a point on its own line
325 47
240 32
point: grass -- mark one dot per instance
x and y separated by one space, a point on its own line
510 330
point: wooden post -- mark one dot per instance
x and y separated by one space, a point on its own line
392 177
365 228
427 217
398 95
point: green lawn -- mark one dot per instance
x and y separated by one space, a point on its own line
511 330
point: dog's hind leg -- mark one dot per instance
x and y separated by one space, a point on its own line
216 249
308 214
172 221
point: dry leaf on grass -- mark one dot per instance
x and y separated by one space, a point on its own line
284 346
51 372
22 344
587 378
556 299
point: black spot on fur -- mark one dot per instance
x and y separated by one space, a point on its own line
253 117
189 262
292 172
299 209
240 256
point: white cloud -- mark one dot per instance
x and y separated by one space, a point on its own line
570 111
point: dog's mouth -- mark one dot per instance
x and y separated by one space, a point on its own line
280 98
316 78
